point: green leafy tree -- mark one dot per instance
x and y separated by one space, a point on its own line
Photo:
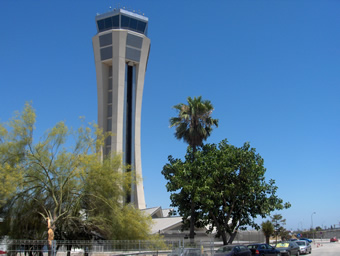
231 190
14 136
193 124
267 229
105 211
240 192
181 185
65 189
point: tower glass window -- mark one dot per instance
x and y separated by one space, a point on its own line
122 21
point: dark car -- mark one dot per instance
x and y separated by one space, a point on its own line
233 250
288 248
263 250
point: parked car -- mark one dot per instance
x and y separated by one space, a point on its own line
307 239
233 250
334 239
185 252
288 248
305 247
263 250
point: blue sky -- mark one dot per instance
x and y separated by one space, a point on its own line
270 68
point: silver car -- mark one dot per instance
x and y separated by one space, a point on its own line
305 247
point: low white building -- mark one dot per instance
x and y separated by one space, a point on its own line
171 226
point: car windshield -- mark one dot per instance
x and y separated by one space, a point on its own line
301 242
281 245
225 249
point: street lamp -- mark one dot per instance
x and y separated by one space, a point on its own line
312 224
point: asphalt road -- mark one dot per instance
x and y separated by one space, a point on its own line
325 248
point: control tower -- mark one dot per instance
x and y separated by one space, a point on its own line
121 50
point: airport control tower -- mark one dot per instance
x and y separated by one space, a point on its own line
121 50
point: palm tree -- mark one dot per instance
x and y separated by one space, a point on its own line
267 229
194 125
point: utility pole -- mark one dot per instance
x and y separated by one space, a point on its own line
312 225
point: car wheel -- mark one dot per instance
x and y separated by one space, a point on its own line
298 253
288 253
310 251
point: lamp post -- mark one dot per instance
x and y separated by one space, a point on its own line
312 224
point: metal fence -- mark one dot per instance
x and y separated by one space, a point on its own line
326 234
88 248
249 237
207 245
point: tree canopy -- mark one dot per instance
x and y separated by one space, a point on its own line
194 122
63 179
230 189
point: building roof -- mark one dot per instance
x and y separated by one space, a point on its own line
162 221
161 225
157 212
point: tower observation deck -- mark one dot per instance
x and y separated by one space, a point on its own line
121 50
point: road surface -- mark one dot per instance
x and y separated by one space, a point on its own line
325 248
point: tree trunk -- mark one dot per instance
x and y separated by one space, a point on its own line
192 217
192 222
267 239
50 239
69 247
232 237
224 237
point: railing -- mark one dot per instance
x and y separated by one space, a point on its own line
207 245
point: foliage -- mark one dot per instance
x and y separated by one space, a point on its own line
194 125
112 219
194 122
267 229
285 234
278 223
185 190
14 136
240 192
64 179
